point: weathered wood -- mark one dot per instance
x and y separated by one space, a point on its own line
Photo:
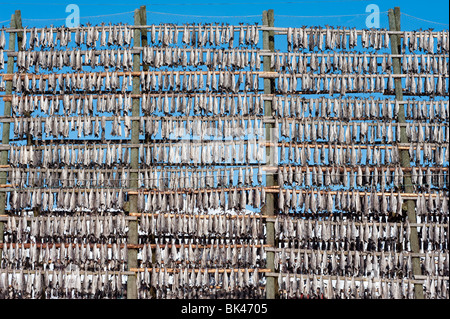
269 88
144 38
409 205
6 126
134 163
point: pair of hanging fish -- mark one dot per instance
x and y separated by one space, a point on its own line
2 65
2 40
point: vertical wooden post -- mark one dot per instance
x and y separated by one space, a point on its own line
409 205
144 43
6 125
134 163
18 16
269 208
144 39
145 67
20 34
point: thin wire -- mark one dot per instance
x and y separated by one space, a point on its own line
424 19
55 19
197 16
329 16
86 17
107 15
252 16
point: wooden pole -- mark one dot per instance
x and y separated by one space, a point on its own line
29 137
147 136
409 205
269 208
6 126
134 163
144 41
144 38
19 48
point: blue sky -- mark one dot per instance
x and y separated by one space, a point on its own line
351 13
